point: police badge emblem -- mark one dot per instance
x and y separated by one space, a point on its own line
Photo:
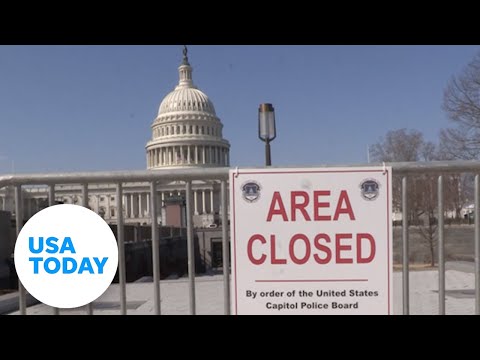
251 191
370 189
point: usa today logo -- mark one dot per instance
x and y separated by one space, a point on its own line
66 256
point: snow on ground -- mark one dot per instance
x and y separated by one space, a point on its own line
209 295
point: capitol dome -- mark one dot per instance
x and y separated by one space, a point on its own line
186 99
187 131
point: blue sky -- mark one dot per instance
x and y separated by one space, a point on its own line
89 108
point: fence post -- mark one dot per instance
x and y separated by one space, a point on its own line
121 251
406 262
155 248
19 223
477 245
226 249
51 202
441 250
190 248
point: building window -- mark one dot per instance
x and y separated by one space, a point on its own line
112 198
102 199
112 212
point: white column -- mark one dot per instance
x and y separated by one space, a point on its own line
196 155
204 211
132 207
148 204
125 206
189 154
163 199
140 210
204 159
195 202
211 202
97 198
107 212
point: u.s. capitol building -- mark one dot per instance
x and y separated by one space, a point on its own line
187 133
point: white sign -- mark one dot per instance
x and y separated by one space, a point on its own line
311 241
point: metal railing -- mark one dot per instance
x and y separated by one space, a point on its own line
120 178
404 170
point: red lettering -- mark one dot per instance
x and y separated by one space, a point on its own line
325 249
343 210
368 259
277 199
254 260
339 248
345 250
273 250
299 206
317 205
293 256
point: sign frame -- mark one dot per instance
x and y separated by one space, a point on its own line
253 191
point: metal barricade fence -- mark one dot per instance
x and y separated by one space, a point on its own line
403 170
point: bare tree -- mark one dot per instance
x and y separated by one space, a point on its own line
399 145
405 145
462 104
410 145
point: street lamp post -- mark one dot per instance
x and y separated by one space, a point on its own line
266 129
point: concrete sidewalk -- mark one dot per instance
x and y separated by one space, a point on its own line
460 295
